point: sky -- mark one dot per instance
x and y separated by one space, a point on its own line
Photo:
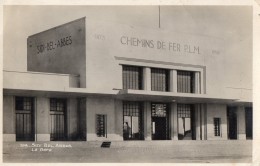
233 24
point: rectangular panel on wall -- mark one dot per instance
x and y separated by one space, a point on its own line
185 82
58 122
132 77
24 107
159 79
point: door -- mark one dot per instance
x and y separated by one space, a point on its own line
249 123
186 122
132 121
24 112
232 122
159 128
58 119
160 125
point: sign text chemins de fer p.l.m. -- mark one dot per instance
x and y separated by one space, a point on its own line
162 45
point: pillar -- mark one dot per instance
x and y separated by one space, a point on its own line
8 119
119 118
174 121
147 121
197 82
42 120
173 81
241 123
198 121
147 78
203 115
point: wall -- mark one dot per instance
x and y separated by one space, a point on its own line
9 118
36 81
42 119
218 111
59 50
106 43
101 105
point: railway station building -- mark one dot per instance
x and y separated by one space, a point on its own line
90 80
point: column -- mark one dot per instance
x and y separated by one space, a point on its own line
241 123
203 121
197 82
197 121
173 81
174 121
42 120
119 118
9 134
147 121
147 78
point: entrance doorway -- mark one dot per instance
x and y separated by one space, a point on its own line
249 123
232 122
58 119
160 126
186 122
24 110
133 121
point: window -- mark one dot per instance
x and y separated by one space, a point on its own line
132 77
217 126
101 125
57 104
185 82
23 103
185 122
58 122
133 126
24 118
159 79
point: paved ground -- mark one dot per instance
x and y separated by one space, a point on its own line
130 151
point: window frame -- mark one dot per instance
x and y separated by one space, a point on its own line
132 77
181 87
157 84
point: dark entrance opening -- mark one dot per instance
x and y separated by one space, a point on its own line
58 119
160 118
24 110
249 123
232 122
186 122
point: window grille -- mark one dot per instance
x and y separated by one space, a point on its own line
217 126
159 110
159 79
132 77
185 82
101 125
57 104
23 103
131 108
184 110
